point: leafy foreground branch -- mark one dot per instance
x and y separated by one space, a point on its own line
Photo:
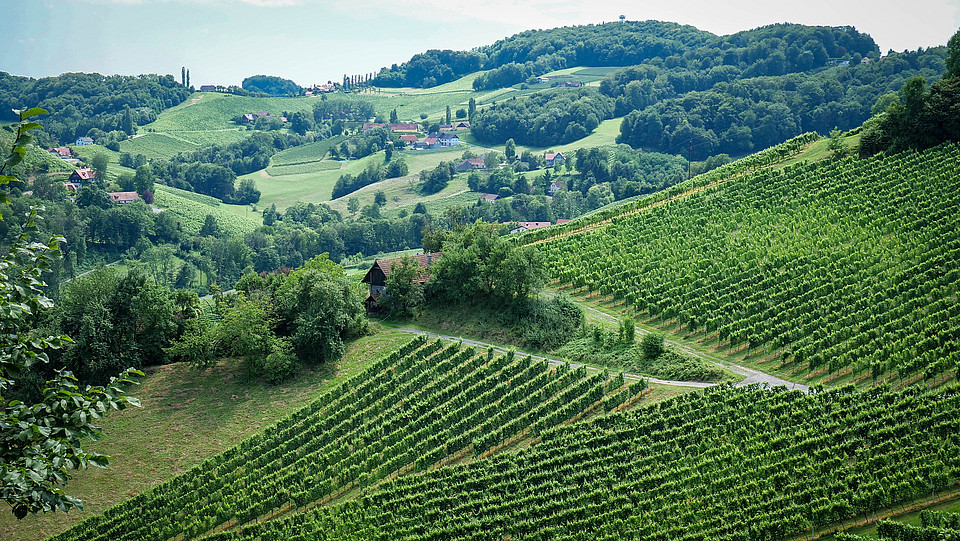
40 442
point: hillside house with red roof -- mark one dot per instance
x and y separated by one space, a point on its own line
84 174
123 197
413 126
376 277
554 159
471 163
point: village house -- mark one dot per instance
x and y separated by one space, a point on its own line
60 152
462 125
376 277
123 198
556 186
429 142
367 126
471 163
81 141
84 174
527 226
448 139
554 159
489 197
409 138
413 126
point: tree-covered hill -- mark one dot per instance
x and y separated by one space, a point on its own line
770 50
90 104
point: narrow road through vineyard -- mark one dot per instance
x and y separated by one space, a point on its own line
752 376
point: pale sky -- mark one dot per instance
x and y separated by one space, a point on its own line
312 41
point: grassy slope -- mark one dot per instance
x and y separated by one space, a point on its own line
186 417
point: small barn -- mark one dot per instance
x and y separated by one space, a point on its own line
376 277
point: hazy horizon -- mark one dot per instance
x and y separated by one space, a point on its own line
224 41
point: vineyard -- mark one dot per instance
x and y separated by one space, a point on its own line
934 526
728 463
425 404
192 208
845 266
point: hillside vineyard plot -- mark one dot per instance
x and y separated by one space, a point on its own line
934 526
421 405
839 265
728 463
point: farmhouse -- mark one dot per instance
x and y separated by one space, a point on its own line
409 138
123 197
527 226
377 277
84 174
472 163
554 159
489 197
60 152
404 127
83 141
556 186
448 139
367 126
463 124
429 142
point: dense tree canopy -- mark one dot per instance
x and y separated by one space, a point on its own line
919 118
272 85
84 104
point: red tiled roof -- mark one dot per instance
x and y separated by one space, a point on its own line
409 137
370 125
385 265
430 140
534 225
85 173
489 196
123 197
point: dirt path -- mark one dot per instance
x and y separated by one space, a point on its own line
555 362
750 375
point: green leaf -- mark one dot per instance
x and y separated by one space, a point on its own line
13 159
33 111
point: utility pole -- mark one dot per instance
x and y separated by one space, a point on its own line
689 159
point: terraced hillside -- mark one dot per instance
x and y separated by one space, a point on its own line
745 463
424 405
840 269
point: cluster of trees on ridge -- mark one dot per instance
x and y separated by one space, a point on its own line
271 86
919 117
769 50
90 104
